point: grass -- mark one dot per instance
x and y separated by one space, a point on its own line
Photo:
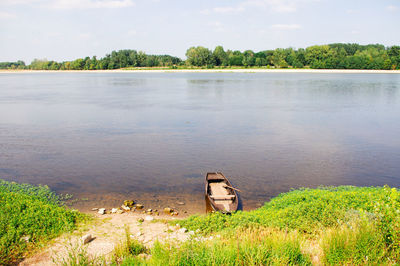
306 210
29 217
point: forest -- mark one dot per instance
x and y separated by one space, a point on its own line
331 56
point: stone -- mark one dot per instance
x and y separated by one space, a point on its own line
178 226
140 220
125 208
139 206
114 210
168 210
102 211
120 211
175 213
129 203
180 203
139 234
149 218
191 233
87 238
182 230
95 209
26 238
149 210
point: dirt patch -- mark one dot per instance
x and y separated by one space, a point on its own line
108 231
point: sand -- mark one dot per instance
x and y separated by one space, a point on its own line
108 231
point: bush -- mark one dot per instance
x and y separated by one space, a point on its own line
307 210
29 216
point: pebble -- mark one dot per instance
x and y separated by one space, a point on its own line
180 203
139 206
95 209
149 218
191 233
125 208
140 220
168 210
26 238
87 238
129 203
102 211
139 234
182 230
114 210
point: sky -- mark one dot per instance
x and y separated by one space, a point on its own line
68 29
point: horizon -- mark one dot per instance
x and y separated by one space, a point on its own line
63 30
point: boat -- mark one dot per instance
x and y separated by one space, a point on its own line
220 193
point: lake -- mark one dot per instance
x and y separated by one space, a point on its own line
107 137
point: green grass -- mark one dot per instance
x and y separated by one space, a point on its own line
248 247
30 211
306 210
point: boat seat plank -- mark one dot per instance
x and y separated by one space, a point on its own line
223 197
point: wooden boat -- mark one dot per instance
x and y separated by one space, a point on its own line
221 195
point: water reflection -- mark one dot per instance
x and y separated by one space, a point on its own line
152 136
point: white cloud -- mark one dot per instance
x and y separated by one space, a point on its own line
132 33
392 8
286 27
228 9
217 26
5 15
89 4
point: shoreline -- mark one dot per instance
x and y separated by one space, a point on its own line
226 70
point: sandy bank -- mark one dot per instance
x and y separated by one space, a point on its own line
241 70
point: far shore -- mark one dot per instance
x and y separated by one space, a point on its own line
216 70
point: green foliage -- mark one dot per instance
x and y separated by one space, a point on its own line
128 248
332 56
199 56
249 247
354 244
307 210
32 212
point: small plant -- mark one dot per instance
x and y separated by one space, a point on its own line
77 255
128 248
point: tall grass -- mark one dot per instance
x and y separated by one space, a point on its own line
30 216
244 247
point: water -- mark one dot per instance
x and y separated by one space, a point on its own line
106 137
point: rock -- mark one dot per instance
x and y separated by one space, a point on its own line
191 233
178 226
139 206
102 211
87 238
129 203
149 211
168 210
26 238
144 256
139 234
182 230
149 218
175 213
95 209
120 211
114 210
140 220
180 203
125 208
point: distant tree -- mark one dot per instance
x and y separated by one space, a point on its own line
199 56
278 58
220 56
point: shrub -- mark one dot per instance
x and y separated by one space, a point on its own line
31 212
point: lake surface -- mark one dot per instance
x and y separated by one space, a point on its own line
106 137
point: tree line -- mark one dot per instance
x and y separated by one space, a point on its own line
331 56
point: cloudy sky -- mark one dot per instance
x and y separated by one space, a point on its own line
68 29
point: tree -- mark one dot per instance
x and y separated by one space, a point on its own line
220 56
199 56
278 58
